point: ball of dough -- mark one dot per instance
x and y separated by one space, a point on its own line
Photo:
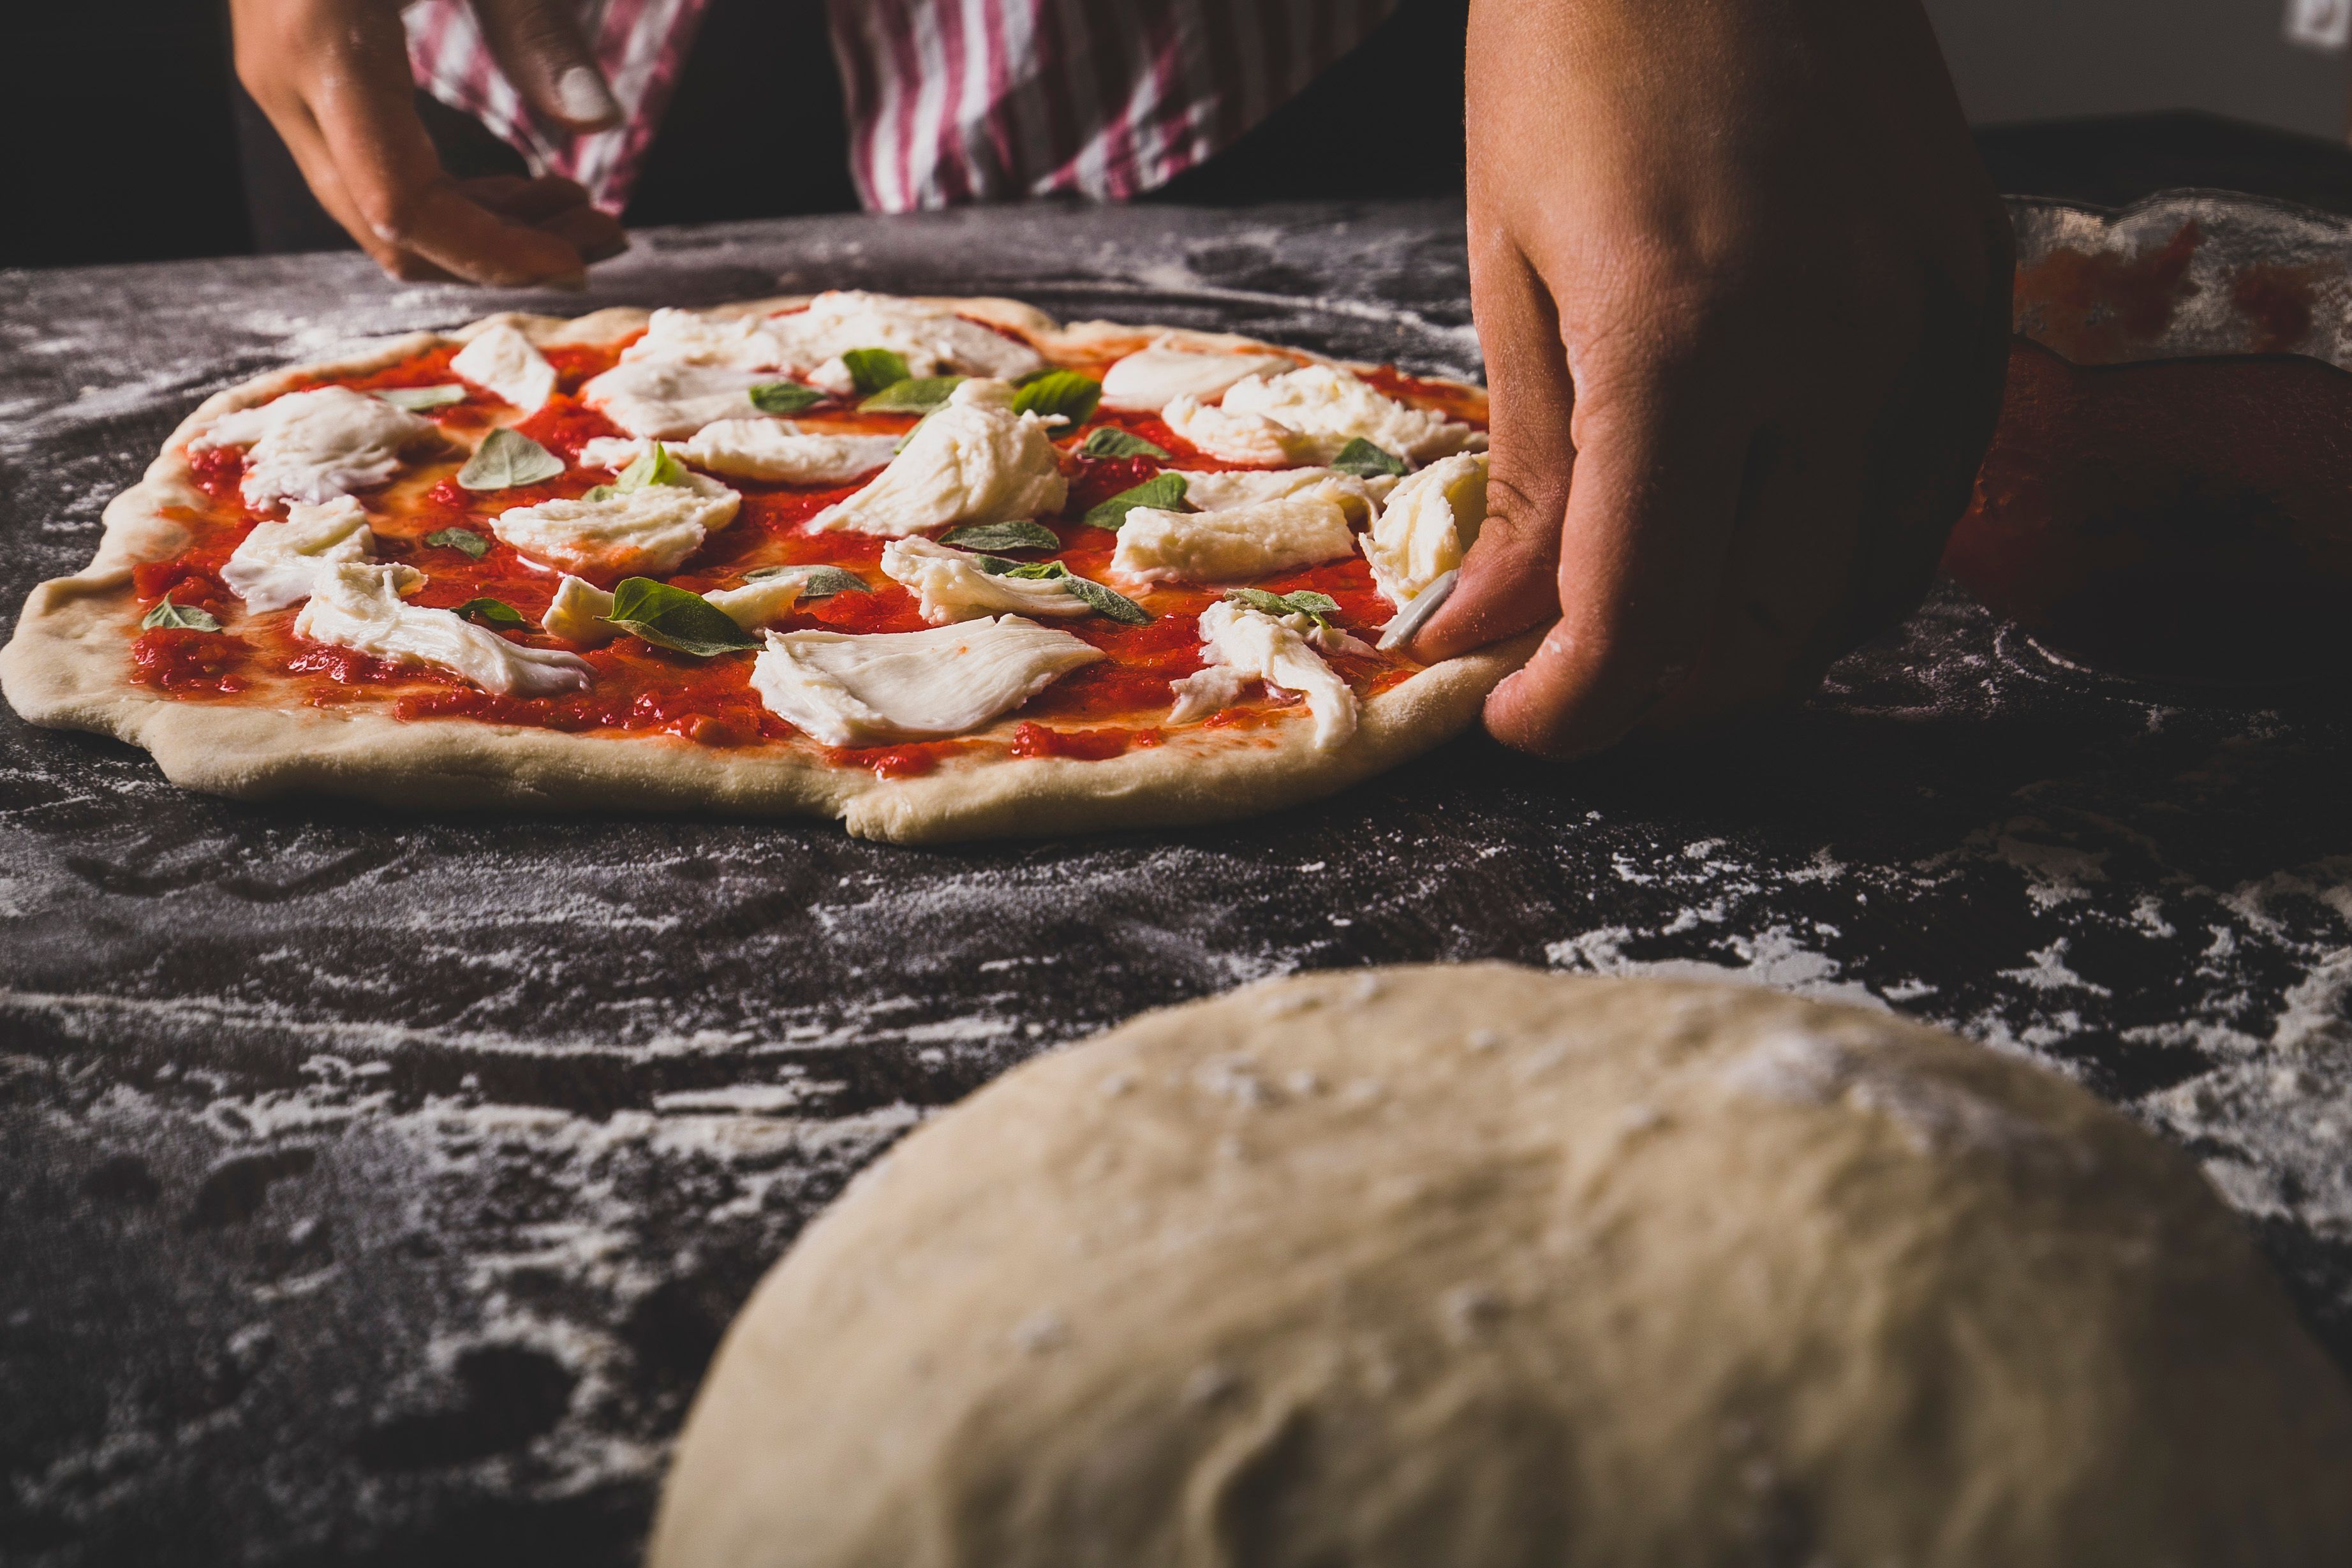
1478 1267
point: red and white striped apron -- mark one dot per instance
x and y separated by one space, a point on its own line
948 100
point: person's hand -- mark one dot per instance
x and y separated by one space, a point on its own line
332 76
1742 285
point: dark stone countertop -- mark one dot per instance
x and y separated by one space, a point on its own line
374 1187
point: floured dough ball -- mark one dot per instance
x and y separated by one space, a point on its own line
1477 1265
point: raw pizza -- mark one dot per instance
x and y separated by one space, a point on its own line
943 568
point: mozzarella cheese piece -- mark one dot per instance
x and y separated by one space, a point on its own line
689 337
669 400
908 686
955 588
1212 688
617 452
1275 650
932 339
1237 438
781 453
974 460
642 532
275 564
1359 498
316 445
754 604
577 613
775 450
359 608
1332 407
503 361
1151 379
1432 519
1232 545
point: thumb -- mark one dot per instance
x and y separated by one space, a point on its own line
538 44
1509 579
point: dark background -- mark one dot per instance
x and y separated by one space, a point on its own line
131 140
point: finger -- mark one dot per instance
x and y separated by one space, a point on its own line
367 118
597 236
1660 456
538 44
1939 421
1789 583
1508 580
521 200
301 135
557 206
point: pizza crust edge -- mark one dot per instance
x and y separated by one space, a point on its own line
66 666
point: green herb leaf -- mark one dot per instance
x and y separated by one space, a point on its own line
1110 441
1366 461
171 617
1034 571
1163 492
418 398
874 368
461 538
599 492
1319 607
1107 601
919 394
784 397
674 619
507 458
654 466
1063 392
822 583
826 581
497 612
1001 536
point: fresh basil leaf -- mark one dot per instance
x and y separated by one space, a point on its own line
674 619
1108 601
1319 608
654 466
826 581
416 399
874 368
460 539
171 617
1163 492
599 492
1110 441
784 397
1001 536
497 612
507 458
822 582
1366 461
1062 392
1034 571
916 394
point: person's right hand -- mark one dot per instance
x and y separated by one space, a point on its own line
332 76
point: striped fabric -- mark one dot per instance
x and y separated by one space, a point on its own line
948 100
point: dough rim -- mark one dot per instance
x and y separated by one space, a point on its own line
66 666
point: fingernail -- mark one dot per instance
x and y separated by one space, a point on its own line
585 96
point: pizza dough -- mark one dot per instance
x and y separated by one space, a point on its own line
1479 1266
66 665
